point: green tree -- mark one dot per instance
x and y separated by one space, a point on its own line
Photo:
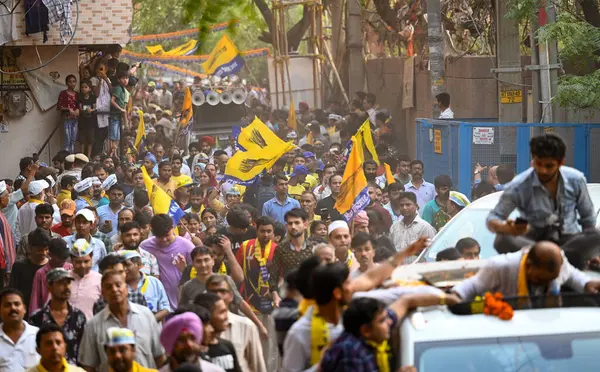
578 36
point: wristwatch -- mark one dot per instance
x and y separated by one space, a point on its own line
442 299
476 172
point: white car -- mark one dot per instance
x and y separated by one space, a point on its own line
471 223
435 339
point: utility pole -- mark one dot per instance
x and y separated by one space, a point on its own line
355 42
437 67
508 56
548 61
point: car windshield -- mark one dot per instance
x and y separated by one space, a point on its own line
557 353
470 224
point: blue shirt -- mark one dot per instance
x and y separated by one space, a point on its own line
395 217
498 187
98 249
81 204
351 353
274 209
425 193
105 213
535 203
154 293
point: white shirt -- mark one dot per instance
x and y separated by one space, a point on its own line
447 114
22 355
372 113
26 220
402 235
297 344
243 334
320 195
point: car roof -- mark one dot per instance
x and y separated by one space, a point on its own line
439 324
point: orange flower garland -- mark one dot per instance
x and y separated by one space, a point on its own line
495 305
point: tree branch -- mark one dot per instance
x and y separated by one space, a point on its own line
387 14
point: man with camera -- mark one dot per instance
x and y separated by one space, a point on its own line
552 200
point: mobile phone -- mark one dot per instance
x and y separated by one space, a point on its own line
521 221
324 214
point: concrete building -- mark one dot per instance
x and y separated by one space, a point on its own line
98 23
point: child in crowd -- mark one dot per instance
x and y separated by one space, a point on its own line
87 117
118 110
67 105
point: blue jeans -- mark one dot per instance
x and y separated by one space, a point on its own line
114 128
70 126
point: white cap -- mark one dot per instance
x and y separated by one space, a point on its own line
2 187
36 187
87 214
83 185
82 157
96 181
109 181
70 158
337 225
292 135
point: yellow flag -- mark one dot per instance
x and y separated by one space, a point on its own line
292 116
258 136
140 136
160 201
263 149
155 50
186 110
224 60
389 176
354 194
182 50
365 138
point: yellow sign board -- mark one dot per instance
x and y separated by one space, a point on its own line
437 141
511 96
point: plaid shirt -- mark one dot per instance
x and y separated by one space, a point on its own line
350 353
72 327
135 296
60 11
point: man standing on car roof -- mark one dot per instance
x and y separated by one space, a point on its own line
549 196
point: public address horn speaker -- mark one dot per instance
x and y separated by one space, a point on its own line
226 97
212 98
239 96
198 98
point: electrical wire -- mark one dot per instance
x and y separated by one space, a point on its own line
58 54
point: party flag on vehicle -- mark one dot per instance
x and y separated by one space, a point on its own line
225 59
160 201
140 136
354 194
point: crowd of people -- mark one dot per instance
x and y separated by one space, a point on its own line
254 277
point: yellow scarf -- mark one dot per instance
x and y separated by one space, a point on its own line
319 337
260 258
36 201
87 200
382 355
349 259
522 289
222 270
304 305
145 285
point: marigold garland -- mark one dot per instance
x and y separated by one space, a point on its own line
494 304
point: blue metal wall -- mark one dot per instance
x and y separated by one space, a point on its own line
511 146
